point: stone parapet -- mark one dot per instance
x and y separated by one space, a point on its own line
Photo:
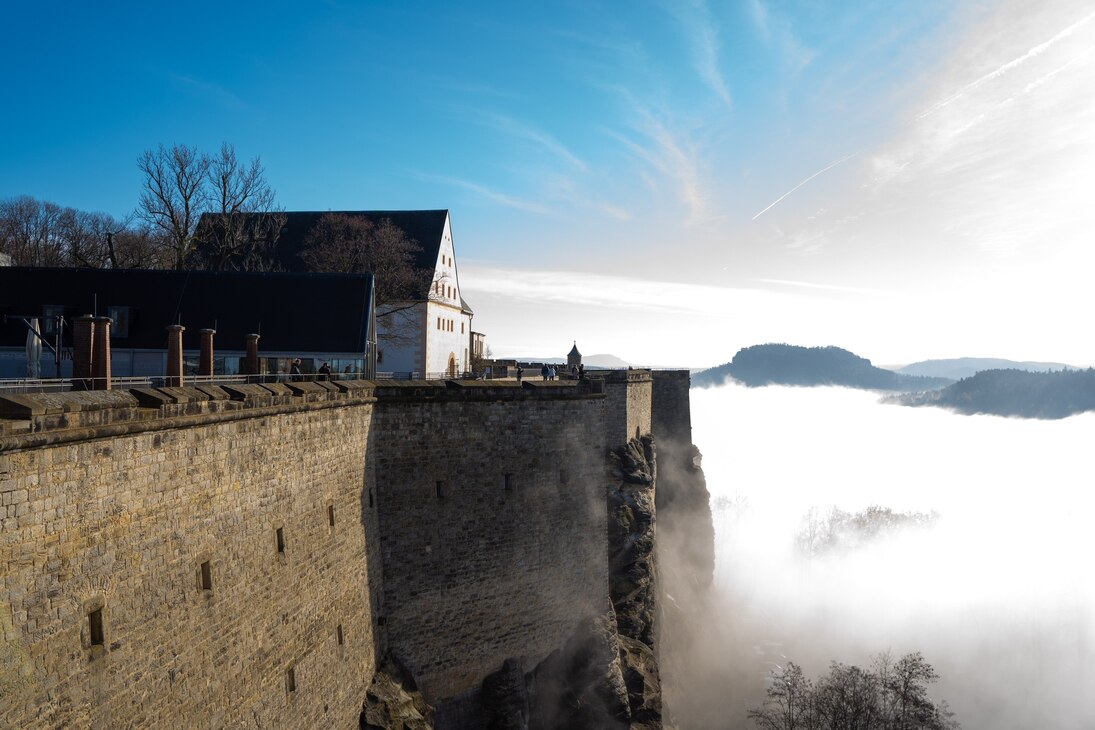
40 413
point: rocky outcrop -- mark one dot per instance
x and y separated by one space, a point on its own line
631 539
644 688
393 702
600 680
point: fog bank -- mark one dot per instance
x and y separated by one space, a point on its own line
998 595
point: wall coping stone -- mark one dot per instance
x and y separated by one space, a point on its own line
304 388
215 392
276 388
36 419
151 397
247 392
183 394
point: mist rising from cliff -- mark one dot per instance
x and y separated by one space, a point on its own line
998 594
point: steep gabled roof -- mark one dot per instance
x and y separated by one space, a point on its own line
426 227
324 313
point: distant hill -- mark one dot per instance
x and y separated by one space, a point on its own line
1014 393
964 367
792 365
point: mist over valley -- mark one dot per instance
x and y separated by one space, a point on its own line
985 574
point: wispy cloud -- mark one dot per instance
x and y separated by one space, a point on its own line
828 167
826 287
775 30
1010 65
530 133
668 156
594 290
495 196
701 33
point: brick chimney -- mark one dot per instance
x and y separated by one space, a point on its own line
251 359
83 346
100 355
205 358
174 355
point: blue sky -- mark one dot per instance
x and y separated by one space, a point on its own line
616 172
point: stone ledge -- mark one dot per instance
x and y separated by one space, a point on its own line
92 412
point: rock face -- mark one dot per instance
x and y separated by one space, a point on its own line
631 539
606 675
393 702
599 680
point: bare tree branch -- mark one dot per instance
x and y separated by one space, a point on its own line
174 195
241 231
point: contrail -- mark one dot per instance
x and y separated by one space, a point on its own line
830 166
1037 50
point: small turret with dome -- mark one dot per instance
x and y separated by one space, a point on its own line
574 358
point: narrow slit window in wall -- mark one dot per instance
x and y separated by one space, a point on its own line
370 499
338 634
207 576
510 482
279 534
291 680
95 627
563 476
330 515
439 489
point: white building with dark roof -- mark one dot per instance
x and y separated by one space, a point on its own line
429 334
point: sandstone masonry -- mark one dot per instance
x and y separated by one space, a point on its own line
244 556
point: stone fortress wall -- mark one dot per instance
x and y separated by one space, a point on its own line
244 555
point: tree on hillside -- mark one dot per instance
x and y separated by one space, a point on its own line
174 195
891 696
241 229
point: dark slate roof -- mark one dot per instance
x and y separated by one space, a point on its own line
574 350
425 227
322 313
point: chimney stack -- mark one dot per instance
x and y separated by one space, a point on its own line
83 345
174 355
205 358
251 359
100 355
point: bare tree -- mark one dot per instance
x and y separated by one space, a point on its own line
354 244
30 231
789 704
241 230
892 696
138 247
174 195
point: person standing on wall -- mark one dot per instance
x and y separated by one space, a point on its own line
544 372
325 371
294 371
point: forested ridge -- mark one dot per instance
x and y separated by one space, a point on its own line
1015 393
781 364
